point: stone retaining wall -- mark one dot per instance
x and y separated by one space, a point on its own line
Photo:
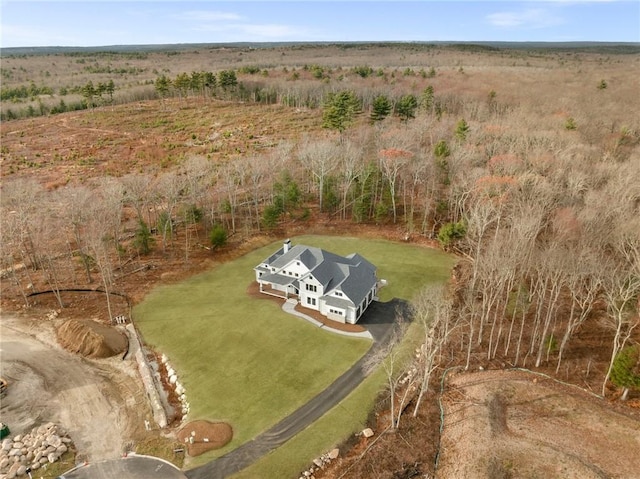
159 413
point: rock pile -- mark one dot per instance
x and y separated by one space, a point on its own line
180 391
43 445
320 463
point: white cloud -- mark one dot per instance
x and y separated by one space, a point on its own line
530 18
236 26
209 16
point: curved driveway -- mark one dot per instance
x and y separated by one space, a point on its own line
379 319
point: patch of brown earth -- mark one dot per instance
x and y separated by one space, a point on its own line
91 339
202 436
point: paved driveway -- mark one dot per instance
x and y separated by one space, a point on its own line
379 320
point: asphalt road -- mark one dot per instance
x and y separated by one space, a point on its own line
379 320
131 467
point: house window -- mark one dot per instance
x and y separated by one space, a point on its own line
297 275
311 287
273 270
311 301
297 263
335 311
338 293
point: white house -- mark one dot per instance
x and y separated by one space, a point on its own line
339 287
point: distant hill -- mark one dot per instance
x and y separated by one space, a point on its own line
596 47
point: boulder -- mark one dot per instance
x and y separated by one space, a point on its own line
334 453
318 462
54 440
52 457
13 470
22 470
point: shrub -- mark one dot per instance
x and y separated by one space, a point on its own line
451 232
626 368
143 240
218 236
570 124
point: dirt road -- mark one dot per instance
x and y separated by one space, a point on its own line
101 403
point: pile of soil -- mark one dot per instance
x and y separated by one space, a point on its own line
91 339
206 435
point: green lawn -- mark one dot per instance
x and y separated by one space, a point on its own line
243 360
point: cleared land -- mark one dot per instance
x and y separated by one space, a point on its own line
242 360
511 424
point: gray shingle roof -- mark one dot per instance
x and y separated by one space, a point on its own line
353 274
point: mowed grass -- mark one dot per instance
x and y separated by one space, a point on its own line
242 359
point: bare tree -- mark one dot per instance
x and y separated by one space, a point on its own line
168 190
112 195
320 158
392 161
76 211
350 164
621 288
197 172
20 199
137 190
100 244
584 283
390 359
433 311
256 172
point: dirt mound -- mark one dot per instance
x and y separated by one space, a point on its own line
206 435
91 339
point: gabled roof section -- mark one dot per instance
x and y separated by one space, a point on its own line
359 281
353 274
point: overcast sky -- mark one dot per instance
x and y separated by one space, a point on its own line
124 22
